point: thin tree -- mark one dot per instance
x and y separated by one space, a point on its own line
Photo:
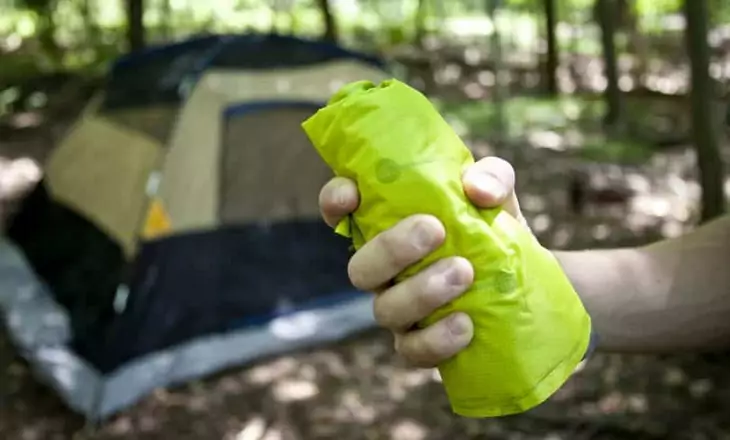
605 12
552 62
704 130
420 22
135 25
496 54
46 25
330 26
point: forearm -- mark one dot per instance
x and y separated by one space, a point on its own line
669 296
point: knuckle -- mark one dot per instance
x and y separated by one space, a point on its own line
415 349
429 351
441 283
399 252
433 345
355 275
405 348
456 333
412 239
384 315
430 294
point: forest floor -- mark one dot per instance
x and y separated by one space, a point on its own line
359 389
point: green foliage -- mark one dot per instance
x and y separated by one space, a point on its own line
536 5
89 31
562 118
657 7
622 150
525 114
40 6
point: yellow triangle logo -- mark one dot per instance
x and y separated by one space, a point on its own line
157 222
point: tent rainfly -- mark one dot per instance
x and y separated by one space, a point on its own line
176 230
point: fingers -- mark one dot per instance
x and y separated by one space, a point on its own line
490 183
392 251
434 344
337 199
410 301
415 298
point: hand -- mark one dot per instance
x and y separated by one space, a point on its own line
488 183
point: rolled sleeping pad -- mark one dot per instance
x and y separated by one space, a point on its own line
531 330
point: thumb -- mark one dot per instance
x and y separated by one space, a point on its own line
490 183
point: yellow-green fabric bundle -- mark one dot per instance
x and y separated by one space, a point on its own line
531 329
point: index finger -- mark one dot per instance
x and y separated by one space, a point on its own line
338 199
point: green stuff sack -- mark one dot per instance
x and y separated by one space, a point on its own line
531 330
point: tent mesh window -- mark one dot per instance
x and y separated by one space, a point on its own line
269 169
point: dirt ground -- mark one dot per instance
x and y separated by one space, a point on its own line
359 389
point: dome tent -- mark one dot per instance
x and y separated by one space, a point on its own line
176 230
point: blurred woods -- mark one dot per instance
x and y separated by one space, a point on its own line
631 76
613 113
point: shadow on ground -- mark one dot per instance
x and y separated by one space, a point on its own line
360 390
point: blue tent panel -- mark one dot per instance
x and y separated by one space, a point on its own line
155 75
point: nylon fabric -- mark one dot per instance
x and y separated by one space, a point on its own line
531 329
100 170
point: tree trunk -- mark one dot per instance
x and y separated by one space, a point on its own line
704 129
637 43
46 27
135 25
496 54
420 23
551 64
330 27
605 14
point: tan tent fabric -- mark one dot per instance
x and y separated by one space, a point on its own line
156 122
190 184
101 170
190 174
270 170
303 84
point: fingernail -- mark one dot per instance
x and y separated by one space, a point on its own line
459 325
489 184
341 195
455 275
423 235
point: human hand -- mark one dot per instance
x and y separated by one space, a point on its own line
398 307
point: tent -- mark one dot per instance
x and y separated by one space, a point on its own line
176 229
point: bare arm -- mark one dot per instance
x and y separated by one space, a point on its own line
669 296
